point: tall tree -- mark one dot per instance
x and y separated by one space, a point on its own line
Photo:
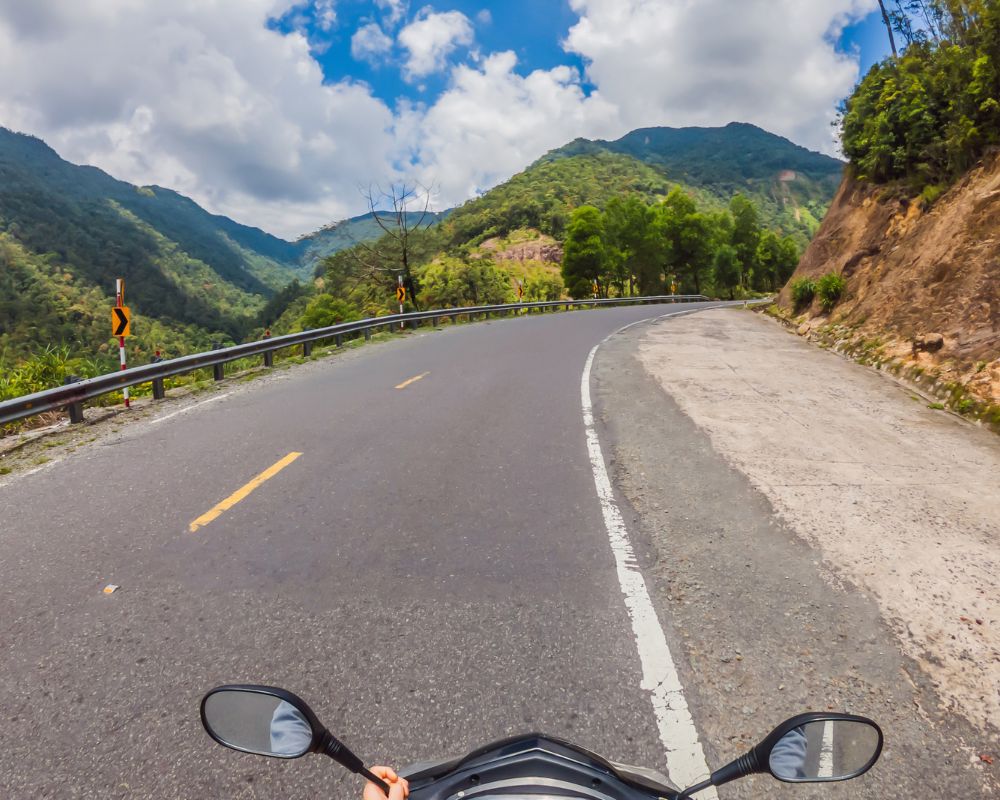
585 254
745 236
690 240
633 245
727 270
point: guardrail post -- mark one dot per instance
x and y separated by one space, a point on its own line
219 371
307 349
159 392
339 339
434 322
368 334
414 324
75 413
269 358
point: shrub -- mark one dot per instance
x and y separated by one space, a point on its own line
931 193
803 291
830 288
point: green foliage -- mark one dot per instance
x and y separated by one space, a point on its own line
585 253
928 116
544 196
633 246
790 186
931 193
830 288
727 269
777 259
803 291
449 282
325 310
689 240
541 284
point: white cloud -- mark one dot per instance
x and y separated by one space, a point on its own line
492 122
393 11
369 42
207 99
676 62
431 38
199 97
485 17
326 14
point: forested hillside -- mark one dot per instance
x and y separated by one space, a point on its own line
791 186
71 229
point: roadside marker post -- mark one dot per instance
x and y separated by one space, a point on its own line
400 295
121 326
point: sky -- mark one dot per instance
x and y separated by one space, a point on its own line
279 113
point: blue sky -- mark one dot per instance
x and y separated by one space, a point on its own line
275 112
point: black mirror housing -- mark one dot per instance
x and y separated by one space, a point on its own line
759 758
318 730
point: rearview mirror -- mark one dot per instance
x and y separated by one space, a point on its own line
260 720
809 748
268 721
825 750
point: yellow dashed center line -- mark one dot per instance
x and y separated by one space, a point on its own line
242 493
404 384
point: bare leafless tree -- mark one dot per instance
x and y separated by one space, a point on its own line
399 210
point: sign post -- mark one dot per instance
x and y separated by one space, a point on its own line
400 296
520 291
121 325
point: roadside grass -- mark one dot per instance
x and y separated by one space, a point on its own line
52 366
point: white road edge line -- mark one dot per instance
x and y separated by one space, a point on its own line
826 752
189 408
686 764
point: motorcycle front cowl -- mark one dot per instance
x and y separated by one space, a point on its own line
536 766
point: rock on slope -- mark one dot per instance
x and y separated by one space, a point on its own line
914 273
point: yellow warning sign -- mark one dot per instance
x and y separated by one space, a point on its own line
121 321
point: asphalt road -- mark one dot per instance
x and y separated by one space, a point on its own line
432 572
423 558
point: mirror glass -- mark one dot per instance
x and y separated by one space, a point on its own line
258 723
828 750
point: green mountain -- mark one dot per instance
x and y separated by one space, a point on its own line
72 226
791 186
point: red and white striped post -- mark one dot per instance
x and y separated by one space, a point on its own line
400 294
119 302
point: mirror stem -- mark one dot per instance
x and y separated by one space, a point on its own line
740 768
693 789
334 748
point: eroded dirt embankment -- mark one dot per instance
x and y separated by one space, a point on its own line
915 275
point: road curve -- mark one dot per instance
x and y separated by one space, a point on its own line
410 539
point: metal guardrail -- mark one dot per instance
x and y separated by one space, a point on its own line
72 396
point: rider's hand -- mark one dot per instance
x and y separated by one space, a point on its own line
399 789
